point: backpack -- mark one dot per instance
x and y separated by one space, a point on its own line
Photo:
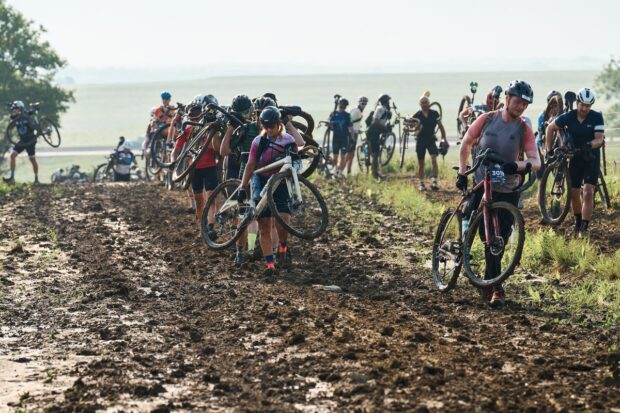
368 120
487 122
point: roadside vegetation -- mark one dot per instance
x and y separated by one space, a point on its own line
557 274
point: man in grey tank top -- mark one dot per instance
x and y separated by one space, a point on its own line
507 133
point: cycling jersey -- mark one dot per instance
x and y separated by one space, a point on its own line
164 114
356 119
341 122
581 132
123 162
505 138
428 124
272 152
25 127
242 142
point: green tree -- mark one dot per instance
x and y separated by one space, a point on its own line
27 69
608 83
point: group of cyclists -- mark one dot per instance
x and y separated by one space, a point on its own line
268 131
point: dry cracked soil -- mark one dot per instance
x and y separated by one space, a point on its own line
109 301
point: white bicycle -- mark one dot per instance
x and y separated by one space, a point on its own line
307 219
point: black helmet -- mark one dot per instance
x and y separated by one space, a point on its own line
241 103
263 102
497 91
343 103
520 89
271 96
209 99
443 148
384 98
194 110
552 94
269 116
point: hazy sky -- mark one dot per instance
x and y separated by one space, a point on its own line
259 37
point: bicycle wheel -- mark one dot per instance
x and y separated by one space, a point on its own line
326 143
49 131
403 148
387 149
554 193
160 151
104 173
436 106
309 157
192 153
507 230
308 216
227 212
12 136
465 103
447 250
363 161
602 191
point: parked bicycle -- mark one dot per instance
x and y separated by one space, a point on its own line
455 246
45 128
71 175
308 217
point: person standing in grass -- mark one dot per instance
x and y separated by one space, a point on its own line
356 121
426 140
343 134
377 124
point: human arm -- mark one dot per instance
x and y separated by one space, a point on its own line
225 149
443 132
549 133
292 130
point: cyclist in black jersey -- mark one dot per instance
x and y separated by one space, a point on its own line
26 129
586 130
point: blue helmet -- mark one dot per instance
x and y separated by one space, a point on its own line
165 95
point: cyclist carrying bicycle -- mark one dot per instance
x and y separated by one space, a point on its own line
125 158
237 143
356 120
585 130
426 140
491 103
378 125
164 112
505 132
266 148
26 127
553 109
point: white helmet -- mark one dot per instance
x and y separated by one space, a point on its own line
198 99
586 96
18 104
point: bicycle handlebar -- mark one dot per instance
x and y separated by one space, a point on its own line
225 112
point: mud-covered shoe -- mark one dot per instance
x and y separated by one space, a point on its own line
270 271
240 259
8 181
190 210
284 259
486 294
497 300
255 254
434 186
421 188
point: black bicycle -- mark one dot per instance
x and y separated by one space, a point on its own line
45 128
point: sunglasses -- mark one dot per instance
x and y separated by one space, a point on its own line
272 126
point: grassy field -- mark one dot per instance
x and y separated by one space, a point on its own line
48 165
104 112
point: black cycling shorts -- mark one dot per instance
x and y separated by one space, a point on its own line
19 148
204 179
340 144
121 177
280 197
584 169
423 145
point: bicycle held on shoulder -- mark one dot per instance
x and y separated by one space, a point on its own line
495 229
45 128
308 210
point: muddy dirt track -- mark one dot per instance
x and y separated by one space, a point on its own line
109 302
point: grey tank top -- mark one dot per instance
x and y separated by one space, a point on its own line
505 139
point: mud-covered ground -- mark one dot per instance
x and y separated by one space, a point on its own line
109 301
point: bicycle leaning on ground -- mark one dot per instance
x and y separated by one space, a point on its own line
458 245
45 128
308 217
105 171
